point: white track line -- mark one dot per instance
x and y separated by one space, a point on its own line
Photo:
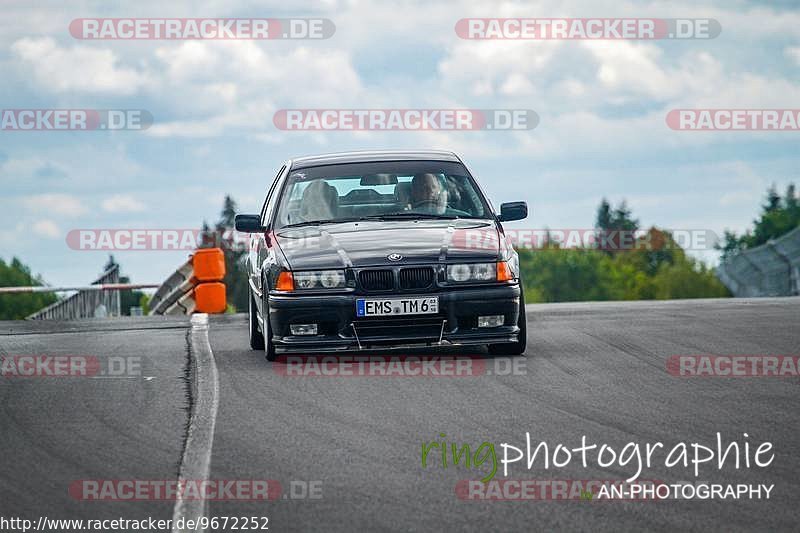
196 460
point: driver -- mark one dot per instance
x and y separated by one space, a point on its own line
427 194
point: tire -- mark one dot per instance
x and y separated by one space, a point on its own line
515 348
256 337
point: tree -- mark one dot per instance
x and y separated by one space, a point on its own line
556 274
611 222
773 200
653 249
655 267
623 220
603 220
18 306
237 291
778 217
228 213
619 219
731 243
791 202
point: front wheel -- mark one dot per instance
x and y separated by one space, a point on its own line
515 348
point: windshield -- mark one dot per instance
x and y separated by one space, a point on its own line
400 189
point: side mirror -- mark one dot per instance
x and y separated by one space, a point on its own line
248 223
513 211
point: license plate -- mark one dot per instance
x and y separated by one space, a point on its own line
396 306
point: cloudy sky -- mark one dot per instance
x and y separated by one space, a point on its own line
602 108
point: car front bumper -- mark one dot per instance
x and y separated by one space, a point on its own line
340 330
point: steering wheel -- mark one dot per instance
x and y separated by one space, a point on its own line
428 203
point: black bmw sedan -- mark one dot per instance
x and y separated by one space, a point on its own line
394 249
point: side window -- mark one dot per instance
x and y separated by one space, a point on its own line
266 211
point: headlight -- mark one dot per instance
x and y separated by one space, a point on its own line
458 272
472 272
331 279
484 272
319 279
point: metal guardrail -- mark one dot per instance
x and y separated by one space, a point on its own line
772 269
196 286
85 303
178 284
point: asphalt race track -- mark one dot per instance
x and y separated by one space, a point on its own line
347 450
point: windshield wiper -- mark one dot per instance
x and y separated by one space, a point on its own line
389 216
320 222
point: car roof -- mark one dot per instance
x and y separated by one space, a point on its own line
372 155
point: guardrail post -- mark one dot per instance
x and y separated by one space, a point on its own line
792 279
729 279
761 275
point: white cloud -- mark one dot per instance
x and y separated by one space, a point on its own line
79 68
122 203
516 84
248 68
236 87
628 67
59 204
487 67
46 228
793 52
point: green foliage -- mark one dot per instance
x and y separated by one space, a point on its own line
621 218
656 268
235 272
778 217
144 303
18 306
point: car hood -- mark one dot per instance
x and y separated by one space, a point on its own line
369 243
